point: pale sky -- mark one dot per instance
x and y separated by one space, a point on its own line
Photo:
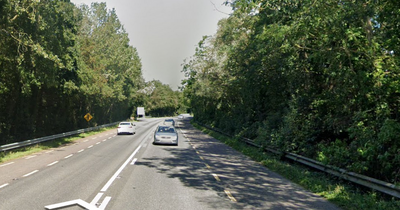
165 32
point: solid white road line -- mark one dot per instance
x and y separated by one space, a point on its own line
119 170
78 202
28 174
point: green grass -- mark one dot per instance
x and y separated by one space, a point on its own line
18 153
344 194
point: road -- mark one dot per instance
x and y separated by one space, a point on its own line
109 171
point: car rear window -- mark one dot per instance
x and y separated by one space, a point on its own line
125 124
166 129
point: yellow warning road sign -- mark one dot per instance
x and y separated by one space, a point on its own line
88 117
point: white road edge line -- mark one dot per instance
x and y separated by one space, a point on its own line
52 163
28 174
119 170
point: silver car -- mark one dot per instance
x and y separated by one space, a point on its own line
165 135
126 127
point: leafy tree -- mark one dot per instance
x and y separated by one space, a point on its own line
161 100
60 62
319 78
110 68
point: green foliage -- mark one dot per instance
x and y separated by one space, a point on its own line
343 194
59 62
161 100
318 78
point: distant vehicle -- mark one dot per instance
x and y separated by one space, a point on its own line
165 135
183 116
169 122
126 127
140 112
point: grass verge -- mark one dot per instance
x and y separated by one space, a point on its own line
344 194
18 153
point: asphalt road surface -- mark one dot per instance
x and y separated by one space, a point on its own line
120 172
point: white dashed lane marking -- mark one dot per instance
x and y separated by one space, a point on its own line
29 157
28 174
52 163
4 185
6 164
68 156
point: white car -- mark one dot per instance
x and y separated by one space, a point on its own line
126 127
183 116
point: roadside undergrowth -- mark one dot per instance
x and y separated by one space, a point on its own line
29 150
340 192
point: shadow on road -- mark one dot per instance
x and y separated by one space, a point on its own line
252 185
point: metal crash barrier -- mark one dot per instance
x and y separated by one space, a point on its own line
52 137
381 186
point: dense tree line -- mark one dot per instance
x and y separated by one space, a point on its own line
59 62
161 100
318 78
